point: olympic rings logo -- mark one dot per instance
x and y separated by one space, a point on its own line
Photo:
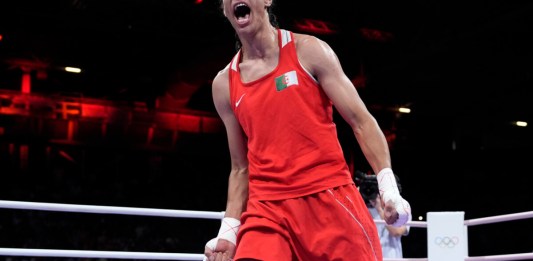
446 242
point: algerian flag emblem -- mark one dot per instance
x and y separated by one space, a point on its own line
286 80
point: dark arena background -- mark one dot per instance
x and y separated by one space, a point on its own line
108 102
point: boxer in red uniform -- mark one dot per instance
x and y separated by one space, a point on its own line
291 195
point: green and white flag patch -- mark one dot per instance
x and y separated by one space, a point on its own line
286 80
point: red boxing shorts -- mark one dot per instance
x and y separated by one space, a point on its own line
334 224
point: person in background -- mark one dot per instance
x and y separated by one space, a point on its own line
390 237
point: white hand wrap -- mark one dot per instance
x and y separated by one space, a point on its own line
388 189
228 231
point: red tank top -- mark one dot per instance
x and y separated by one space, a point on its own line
293 149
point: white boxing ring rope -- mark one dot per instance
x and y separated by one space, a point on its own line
104 210
198 214
110 210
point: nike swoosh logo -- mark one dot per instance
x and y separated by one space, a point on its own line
239 101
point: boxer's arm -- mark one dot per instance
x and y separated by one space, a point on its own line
321 61
238 179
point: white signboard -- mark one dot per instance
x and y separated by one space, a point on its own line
447 239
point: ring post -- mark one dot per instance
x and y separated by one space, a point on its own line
447 239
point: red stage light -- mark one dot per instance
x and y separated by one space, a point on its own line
315 26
